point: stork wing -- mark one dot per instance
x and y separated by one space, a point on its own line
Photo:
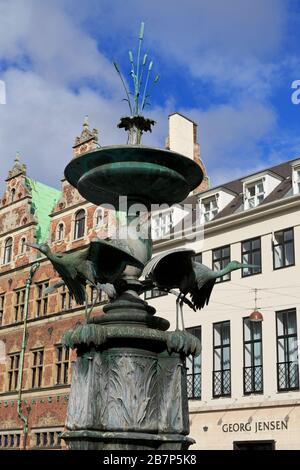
68 272
109 260
168 269
200 297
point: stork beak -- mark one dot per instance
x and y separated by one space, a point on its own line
33 245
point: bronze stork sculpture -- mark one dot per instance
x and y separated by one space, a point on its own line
178 270
100 264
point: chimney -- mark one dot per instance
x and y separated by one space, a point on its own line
183 139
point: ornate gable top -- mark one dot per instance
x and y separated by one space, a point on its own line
86 134
18 168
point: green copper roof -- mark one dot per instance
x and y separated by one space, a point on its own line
43 200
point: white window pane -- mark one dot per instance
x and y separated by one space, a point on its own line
217 359
278 256
289 254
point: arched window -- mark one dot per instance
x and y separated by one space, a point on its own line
98 217
12 195
22 245
7 251
60 231
79 224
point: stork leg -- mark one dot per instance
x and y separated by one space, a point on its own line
88 312
177 313
182 299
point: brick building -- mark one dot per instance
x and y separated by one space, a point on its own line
33 212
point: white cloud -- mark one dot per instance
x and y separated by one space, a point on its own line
58 72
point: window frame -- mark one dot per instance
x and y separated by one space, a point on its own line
62 365
13 372
221 259
252 342
284 337
37 369
194 375
41 299
2 306
19 304
8 249
154 296
251 251
247 196
79 225
283 245
221 361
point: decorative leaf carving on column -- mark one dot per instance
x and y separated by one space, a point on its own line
132 384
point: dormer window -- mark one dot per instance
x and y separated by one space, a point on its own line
209 208
296 180
255 194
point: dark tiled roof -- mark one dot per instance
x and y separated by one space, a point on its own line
283 171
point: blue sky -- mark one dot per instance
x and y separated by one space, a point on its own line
227 65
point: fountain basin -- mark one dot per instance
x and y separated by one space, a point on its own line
143 174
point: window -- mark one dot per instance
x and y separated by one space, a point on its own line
60 232
41 299
62 365
198 258
7 251
66 299
255 194
220 259
194 369
209 208
79 224
287 351
94 294
11 439
221 372
12 195
161 225
151 294
251 254
48 438
13 371
296 180
22 246
283 249
37 368
98 217
253 364
2 300
19 304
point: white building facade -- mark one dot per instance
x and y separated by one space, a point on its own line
244 388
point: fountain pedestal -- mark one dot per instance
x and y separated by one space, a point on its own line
129 382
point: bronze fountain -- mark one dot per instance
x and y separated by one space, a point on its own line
129 388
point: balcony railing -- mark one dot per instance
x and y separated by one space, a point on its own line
194 386
288 375
221 383
253 379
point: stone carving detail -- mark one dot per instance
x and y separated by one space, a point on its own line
78 415
132 386
172 379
